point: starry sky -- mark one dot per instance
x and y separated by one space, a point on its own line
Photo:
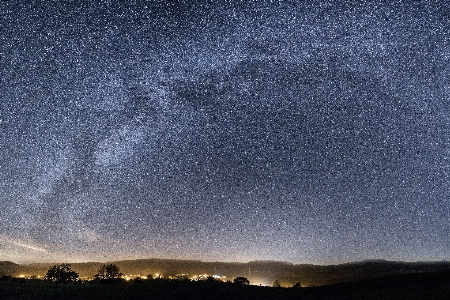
302 131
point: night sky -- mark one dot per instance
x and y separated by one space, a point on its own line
302 131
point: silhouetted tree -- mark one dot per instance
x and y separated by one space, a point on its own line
241 280
62 273
297 285
109 271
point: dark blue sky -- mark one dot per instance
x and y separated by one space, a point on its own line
304 131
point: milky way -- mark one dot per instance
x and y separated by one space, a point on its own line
303 131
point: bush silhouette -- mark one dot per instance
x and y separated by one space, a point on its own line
241 281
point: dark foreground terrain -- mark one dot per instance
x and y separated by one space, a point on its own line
432 285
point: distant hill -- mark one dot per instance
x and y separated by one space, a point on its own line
8 268
258 272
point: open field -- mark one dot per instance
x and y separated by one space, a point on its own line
432 285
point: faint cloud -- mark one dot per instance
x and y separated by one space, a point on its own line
12 244
34 248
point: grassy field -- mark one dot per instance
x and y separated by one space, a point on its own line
34 289
434 285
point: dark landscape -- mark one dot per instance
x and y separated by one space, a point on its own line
372 279
264 149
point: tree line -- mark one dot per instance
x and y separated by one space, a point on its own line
63 273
